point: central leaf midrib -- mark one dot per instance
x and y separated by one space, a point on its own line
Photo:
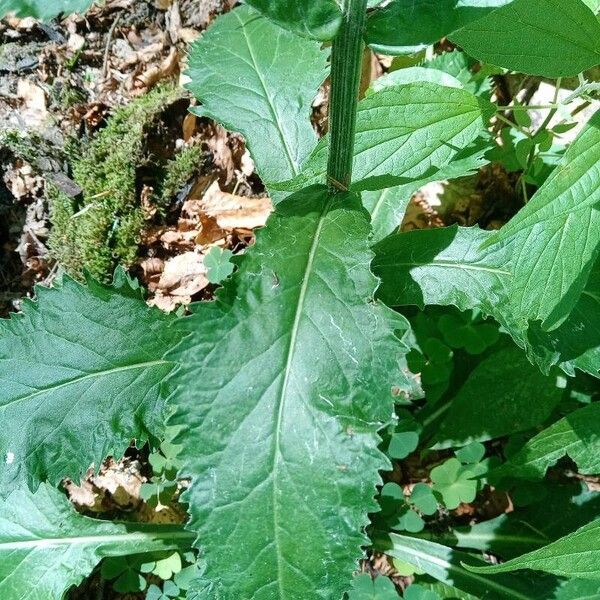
285 382
80 378
96 540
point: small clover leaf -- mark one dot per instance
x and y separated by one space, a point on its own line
424 499
402 444
418 592
454 483
365 588
461 331
471 454
408 520
391 499
218 265
126 574
169 591
165 568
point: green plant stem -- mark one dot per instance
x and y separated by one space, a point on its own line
346 62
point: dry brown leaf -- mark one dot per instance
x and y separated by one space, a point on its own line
233 212
34 110
183 275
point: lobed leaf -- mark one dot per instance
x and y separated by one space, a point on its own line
263 87
282 387
552 38
576 555
317 19
80 372
407 26
46 547
405 133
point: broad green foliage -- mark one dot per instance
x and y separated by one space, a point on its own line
46 547
555 239
577 435
446 565
405 133
80 371
43 9
509 382
282 386
257 59
553 38
575 555
407 26
318 19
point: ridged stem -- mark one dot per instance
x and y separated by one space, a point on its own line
346 63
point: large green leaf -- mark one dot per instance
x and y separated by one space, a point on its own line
46 547
263 87
318 19
575 555
405 133
555 239
518 397
576 435
282 387
447 566
553 38
407 26
43 9
80 371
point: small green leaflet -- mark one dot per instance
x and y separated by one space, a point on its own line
264 87
46 547
218 265
576 555
43 9
318 19
555 239
517 397
405 133
407 26
80 372
365 588
552 38
283 384
447 566
577 435
414 75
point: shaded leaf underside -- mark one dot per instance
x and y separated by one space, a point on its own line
46 547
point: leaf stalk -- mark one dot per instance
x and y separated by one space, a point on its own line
346 63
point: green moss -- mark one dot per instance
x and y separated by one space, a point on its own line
179 171
104 229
